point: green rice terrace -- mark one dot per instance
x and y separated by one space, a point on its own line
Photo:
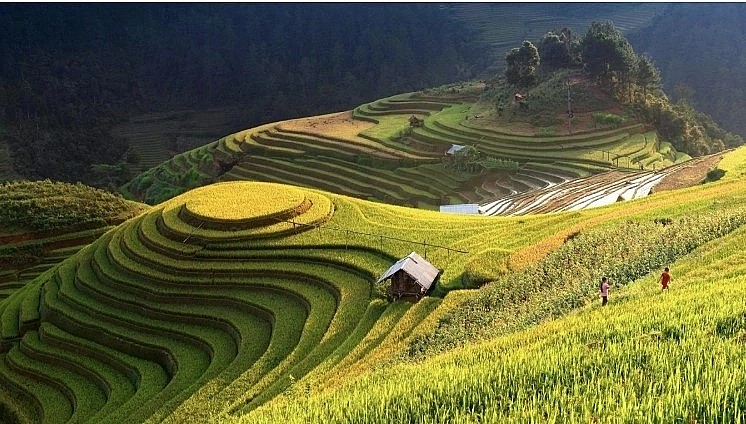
253 302
44 222
441 146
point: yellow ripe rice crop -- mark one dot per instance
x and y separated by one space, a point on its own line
242 200
340 125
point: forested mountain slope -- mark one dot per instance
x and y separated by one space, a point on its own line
701 53
70 72
504 25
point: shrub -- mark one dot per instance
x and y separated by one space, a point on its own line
714 175
608 119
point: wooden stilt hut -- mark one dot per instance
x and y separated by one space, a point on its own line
411 278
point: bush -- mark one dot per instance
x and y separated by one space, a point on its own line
714 175
608 119
545 132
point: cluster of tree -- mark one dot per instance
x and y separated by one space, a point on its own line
522 64
606 56
603 52
69 72
700 51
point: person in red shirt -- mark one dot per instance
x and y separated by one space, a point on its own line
665 279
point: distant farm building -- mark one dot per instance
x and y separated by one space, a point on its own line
454 148
411 277
415 121
464 208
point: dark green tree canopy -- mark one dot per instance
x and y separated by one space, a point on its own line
648 76
522 64
606 52
559 49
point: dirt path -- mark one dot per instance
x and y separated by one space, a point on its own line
689 175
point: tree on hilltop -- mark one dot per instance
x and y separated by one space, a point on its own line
607 55
559 49
522 64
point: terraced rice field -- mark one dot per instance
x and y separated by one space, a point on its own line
372 153
157 137
54 250
582 193
225 301
44 222
192 294
215 302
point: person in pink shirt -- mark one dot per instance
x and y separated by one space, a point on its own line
604 291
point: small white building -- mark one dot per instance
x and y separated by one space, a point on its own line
454 148
464 208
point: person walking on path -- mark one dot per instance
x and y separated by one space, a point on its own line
604 291
665 279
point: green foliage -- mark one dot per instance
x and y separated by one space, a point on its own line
559 49
608 119
606 52
48 205
688 130
467 159
23 255
648 76
522 64
403 133
164 182
491 162
714 175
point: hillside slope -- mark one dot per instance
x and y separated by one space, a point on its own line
44 222
503 26
703 67
649 356
375 153
213 304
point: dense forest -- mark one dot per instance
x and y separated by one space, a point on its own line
701 53
68 72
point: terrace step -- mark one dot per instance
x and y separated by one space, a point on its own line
51 399
576 194
92 392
